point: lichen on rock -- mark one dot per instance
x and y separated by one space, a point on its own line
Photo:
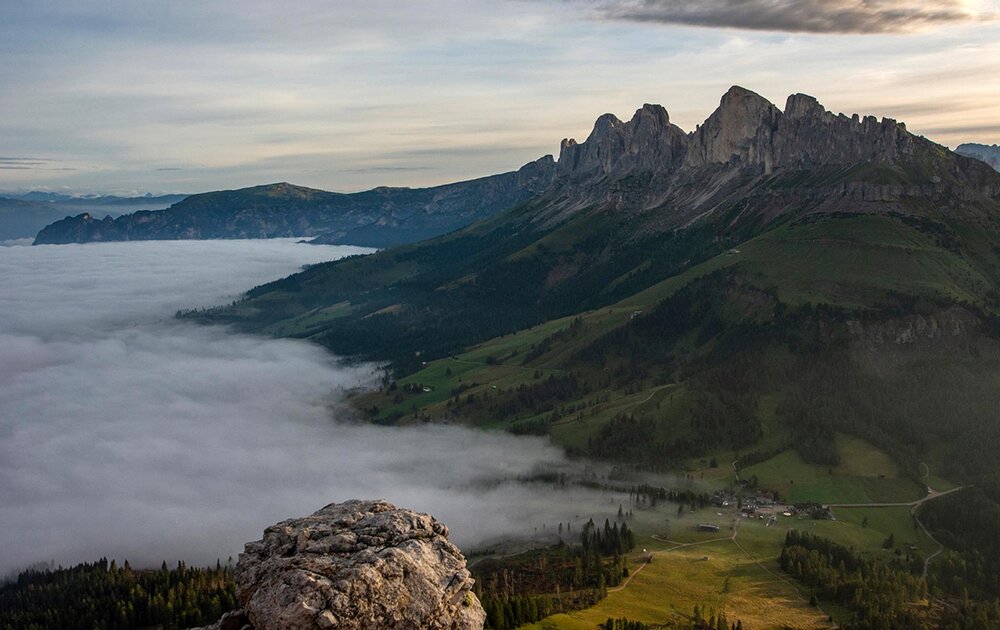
355 565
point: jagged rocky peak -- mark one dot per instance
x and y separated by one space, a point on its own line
746 131
647 142
739 130
805 106
354 565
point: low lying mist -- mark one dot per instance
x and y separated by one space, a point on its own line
128 434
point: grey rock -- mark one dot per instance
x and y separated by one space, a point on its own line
647 142
750 156
740 131
355 565
952 322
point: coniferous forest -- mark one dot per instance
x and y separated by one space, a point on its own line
104 595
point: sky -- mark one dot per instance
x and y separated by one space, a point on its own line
128 434
132 96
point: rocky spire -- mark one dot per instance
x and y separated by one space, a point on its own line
746 131
804 106
647 142
740 130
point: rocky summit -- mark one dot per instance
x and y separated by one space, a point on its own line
751 155
354 565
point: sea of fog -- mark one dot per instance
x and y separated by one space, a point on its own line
126 433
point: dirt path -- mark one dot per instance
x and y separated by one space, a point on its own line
914 506
782 578
736 528
571 418
631 575
932 494
927 560
651 394
506 365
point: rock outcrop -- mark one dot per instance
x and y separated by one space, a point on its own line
355 565
746 130
910 329
752 162
647 142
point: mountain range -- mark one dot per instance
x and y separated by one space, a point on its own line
378 218
989 153
782 274
641 201
23 215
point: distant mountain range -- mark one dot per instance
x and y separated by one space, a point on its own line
379 218
985 152
23 215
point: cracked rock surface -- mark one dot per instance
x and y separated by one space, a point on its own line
358 564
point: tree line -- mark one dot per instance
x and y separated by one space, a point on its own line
531 586
105 595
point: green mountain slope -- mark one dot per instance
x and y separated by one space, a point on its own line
760 284
730 357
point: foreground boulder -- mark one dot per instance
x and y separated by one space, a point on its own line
359 564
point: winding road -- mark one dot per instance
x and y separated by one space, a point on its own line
932 494
913 505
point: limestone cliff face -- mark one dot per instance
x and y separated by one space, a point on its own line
953 322
647 142
751 162
355 565
740 131
745 130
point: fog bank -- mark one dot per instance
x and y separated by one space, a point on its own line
128 434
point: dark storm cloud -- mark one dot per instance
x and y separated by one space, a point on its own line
807 16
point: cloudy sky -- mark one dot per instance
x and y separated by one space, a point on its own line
184 96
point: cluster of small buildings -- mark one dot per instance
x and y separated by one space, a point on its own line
724 498
748 503
758 499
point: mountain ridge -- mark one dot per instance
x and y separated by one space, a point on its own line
641 164
989 153
23 215
636 204
378 217
748 134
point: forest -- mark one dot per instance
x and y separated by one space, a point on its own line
528 587
109 596
968 523
881 594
